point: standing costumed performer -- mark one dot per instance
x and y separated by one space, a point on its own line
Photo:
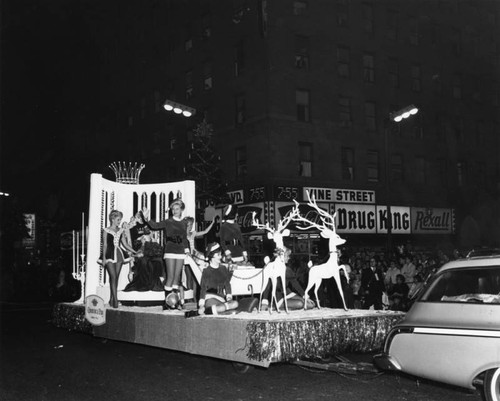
231 238
176 247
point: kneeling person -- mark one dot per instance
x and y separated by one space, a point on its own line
215 286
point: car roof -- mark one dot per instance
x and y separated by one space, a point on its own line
473 261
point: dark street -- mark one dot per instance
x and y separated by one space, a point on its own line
42 362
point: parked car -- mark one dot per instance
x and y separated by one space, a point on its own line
451 334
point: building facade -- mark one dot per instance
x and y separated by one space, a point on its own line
300 94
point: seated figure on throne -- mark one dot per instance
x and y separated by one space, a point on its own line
147 273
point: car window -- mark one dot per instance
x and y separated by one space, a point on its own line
475 284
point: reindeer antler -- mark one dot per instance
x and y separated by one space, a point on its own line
259 225
288 218
328 221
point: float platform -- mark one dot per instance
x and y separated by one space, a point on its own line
251 338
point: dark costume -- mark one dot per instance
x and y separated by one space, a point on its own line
215 283
232 240
174 235
114 253
372 285
149 268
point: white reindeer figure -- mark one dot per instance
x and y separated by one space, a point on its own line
276 268
330 268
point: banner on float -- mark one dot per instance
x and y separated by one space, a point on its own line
432 220
401 219
95 311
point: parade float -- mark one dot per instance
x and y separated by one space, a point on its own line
250 337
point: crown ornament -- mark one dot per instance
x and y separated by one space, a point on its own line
127 173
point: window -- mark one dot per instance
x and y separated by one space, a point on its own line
156 100
368 18
392 25
457 41
416 80
299 7
345 111
347 159
342 13
343 61
459 129
437 84
434 33
442 172
420 177
368 68
474 284
372 166
457 86
206 29
396 165
207 75
480 133
305 159
370 116
241 162
302 52
143 107
476 94
188 42
239 59
240 109
189 84
394 72
461 173
414 35
302 101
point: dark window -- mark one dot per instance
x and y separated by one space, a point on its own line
206 28
305 159
343 61
299 7
368 18
207 75
461 173
396 168
416 80
240 107
241 162
239 59
345 111
457 86
392 25
302 52
420 173
189 84
370 116
347 158
368 68
394 72
372 166
303 107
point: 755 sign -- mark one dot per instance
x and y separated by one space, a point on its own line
286 193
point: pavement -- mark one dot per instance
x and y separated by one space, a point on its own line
41 362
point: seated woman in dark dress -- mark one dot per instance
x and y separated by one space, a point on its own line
148 271
215 286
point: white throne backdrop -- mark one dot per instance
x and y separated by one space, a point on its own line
107 195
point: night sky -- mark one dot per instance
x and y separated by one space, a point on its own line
50 92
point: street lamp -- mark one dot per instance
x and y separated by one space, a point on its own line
178 108
394 117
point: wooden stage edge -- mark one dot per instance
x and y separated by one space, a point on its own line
252 338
